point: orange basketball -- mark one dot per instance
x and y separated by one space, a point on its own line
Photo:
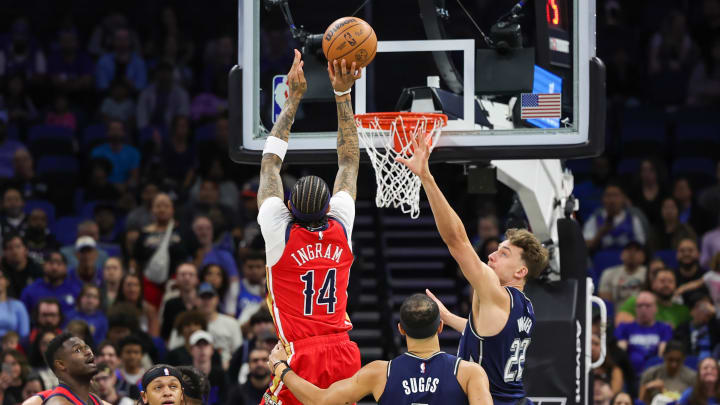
352 39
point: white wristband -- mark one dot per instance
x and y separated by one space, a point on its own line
342 93
275 146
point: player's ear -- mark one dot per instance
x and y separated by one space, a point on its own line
522 272
402 331
143 397
440 327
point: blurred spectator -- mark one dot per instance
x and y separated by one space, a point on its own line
38 238
710 198
644 338
712 280
89 310
150 241
186 324
671 378
710 246
260 322
590 191
663 287
118 105
213 169
15 316
487 227
612 226
47 315
11 340
125 158
163 100
607 371
81 329
649 190
252 286
17 371
207 105
104 382
207 252
177 153
123 62
706 389
60 115
113 273
131 354
217 277
37 359
224 329
689 274
69 67
186 281
259 378
690 212
201 350
25 180
85 228
104 215
224 219
131 292
702 333
32 385
704 83
177 52
99 187
622 398
55 283
218 59
670 231
602 393
18 103
672 54
108 353
13 220
8 148
21 56
86 253
141 216
104 37
618 283
19 268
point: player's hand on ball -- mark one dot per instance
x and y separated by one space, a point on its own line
278 354
296 77
342 76
418 163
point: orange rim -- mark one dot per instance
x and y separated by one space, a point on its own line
409 119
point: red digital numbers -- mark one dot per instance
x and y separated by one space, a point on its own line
552 12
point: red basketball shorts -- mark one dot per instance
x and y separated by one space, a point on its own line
321 360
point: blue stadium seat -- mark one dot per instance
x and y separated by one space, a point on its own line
161 348
580 168
628 166
44 205
692 362
13 132
94 135
51 140
65 229
604 259
696 139
88 210
67 165
641 132
653 361
112 249
669 257
205 133
700 171
146 134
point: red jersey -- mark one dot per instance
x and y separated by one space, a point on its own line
307 286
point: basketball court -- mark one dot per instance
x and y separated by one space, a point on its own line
511 89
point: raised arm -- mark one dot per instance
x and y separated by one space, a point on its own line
270 181
342 79
482 278
368 380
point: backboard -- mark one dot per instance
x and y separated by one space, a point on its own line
541 96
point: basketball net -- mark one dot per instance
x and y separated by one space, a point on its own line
386 136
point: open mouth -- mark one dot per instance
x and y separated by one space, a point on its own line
91 360
169 402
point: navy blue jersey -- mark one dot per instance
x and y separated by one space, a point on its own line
503 355
414 380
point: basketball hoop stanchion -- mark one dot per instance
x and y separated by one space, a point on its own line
388 135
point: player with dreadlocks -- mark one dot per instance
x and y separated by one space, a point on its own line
307 244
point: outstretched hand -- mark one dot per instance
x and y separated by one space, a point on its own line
342 77
443 309
418 163
296 78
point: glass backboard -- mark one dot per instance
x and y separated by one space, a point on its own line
527 86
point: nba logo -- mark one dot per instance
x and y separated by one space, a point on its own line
280 95
422 368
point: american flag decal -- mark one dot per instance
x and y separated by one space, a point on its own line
534 105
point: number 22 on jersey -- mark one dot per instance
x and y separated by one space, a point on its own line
326 295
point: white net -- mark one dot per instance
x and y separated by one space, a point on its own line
397 186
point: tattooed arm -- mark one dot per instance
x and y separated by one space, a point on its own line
342 79
270 181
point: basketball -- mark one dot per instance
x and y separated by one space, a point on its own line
352 39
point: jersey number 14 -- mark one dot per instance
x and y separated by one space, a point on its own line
326 295
517 356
